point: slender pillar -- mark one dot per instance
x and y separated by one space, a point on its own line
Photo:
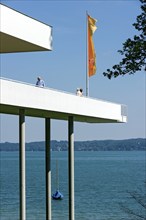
48 168
71 167
22 164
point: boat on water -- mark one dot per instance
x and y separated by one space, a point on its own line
57 195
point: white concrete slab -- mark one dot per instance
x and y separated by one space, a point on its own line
46 102
20 33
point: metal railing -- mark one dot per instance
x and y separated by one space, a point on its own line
124 110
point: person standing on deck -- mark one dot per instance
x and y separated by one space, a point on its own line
40 82
79 92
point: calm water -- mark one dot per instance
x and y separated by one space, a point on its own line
102 180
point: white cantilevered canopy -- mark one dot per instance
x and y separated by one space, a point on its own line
46 102
20 33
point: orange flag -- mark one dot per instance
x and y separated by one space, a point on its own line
91 51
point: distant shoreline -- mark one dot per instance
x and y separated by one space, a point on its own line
137 144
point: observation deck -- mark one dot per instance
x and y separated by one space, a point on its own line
46 102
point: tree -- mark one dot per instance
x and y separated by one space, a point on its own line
134 50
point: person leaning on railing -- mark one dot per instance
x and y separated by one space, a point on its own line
79 92
40 82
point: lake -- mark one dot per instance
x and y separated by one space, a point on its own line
103 181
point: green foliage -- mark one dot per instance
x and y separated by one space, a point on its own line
134 50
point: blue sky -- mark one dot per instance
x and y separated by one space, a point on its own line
64 68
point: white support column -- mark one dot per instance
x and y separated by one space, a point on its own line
71 167
48 168
22 164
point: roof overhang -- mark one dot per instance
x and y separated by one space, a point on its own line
20 33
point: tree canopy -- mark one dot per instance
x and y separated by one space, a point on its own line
134 50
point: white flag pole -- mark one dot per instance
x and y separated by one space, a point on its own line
87 65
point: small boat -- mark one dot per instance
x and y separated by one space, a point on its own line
57 195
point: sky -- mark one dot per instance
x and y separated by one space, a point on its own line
64 68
